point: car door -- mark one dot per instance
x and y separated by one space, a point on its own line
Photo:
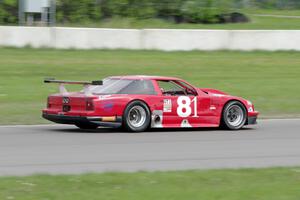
182 105
197 108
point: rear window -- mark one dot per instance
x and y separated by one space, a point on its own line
124 86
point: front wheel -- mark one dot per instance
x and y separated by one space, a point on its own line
234 115
136 117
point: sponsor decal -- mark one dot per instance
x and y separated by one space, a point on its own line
185 123
212 107
108 106
167 105
104 96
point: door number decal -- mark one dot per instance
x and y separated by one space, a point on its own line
184 106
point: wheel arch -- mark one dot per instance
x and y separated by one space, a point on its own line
132 100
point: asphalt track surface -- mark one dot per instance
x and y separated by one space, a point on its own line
58 149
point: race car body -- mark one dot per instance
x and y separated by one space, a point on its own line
140 102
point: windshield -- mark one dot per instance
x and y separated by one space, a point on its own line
124 86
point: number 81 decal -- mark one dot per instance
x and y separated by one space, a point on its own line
184 106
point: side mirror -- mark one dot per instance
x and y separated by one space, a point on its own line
191 92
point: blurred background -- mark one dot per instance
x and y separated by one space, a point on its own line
148 13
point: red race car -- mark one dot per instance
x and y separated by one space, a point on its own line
141 102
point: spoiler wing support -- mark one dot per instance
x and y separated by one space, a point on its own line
63 90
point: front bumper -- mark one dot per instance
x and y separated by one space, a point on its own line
252 117
112 121
252 120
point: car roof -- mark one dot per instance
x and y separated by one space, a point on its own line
145 77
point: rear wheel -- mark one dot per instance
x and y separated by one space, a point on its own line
234 115
86 125
136 117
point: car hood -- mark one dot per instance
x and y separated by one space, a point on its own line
224 96
213 91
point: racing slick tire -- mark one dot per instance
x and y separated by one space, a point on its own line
136 117
87 126
234 115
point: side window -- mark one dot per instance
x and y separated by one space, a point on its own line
171 88
139 87
188 89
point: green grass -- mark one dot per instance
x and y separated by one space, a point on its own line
257 22
270 79
242 184
295 12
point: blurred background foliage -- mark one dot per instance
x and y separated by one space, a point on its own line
191 11
8 11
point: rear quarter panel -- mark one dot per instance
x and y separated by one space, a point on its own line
114 105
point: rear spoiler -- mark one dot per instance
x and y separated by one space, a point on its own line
63 90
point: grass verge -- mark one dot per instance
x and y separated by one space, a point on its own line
242 184
269 79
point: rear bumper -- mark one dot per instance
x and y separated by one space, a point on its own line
99 120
